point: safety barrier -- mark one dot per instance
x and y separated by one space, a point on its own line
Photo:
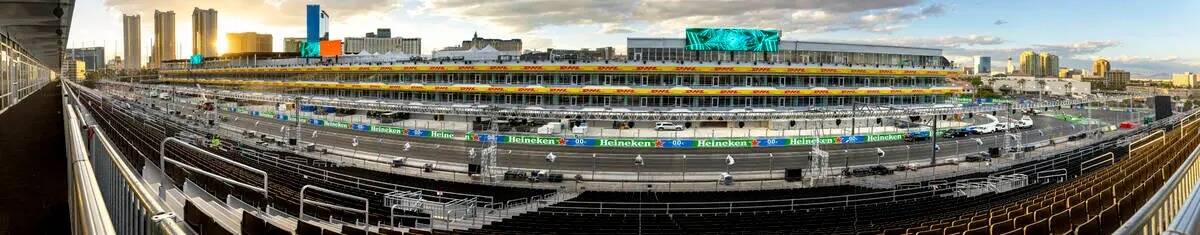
107 197
1165 211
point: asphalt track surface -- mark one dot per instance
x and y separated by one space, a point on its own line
656 160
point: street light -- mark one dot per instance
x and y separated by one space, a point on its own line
639 162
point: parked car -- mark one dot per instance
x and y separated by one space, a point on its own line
1025 122
667 126
956 132
1004 126
983 129
916 136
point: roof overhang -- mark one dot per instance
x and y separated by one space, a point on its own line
40 27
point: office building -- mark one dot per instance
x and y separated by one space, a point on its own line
92 56
1116 79
1100 67
249 42
317 22
1048 64
672 49
131 28
292 44
74 69
356 45
204 32
1187 80
163 47
1065 72
983 65
383 33
505 45
1030 64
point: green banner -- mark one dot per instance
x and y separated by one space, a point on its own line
626 143
885 137
724 143
810 140
534 140
441 134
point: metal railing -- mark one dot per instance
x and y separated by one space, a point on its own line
1162 212
107 197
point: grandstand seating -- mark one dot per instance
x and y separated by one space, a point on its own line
1092 202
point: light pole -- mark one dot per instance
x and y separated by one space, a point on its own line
684 168
639 162
593 166
550 160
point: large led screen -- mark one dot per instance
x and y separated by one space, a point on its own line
718 39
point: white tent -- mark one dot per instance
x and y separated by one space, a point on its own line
486 53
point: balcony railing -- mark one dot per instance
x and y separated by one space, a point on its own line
107 196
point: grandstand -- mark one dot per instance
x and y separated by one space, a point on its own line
1102 186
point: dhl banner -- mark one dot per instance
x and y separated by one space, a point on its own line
581 90
577 68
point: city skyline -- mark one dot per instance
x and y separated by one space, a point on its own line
962 29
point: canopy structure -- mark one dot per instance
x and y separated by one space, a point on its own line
485 53
40 27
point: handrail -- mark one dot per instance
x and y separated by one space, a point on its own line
366 203
119 182
162 160
1162 210
88 213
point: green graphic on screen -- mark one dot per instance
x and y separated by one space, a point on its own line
310 49
717 39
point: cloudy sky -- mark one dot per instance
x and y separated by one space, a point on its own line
1148 38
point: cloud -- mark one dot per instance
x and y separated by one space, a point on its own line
672 15
615 28
1000 22
944 42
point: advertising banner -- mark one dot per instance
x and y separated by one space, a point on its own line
388 130
361 127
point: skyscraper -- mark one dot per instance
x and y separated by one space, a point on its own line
1029 61
164 38
1100 67
1048 65
131 28
1009 69
204 32
248 42
983 65
293 44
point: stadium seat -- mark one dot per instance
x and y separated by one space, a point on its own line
304 228
1110 220
1061 223
955 229
1037 228
1088 228
977 231
1002 227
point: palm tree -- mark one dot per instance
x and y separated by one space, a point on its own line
1022 83
1069 86
1041 88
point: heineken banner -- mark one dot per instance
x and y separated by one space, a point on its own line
599 142
388 130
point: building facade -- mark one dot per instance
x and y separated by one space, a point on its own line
585 54
506 45
163 47
672 49
131 30
1100 67
1116 79
292 44
1030 64
410 46
1049 65
249 42
93 57
983 65
204 32
1187 80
